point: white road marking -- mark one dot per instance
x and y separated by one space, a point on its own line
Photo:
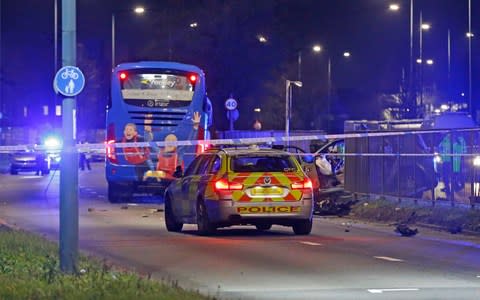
310 243
380 291
389 258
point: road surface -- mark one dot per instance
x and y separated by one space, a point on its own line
341 259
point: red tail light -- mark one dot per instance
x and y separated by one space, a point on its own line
110 144
306 184
192 78
224 185
110 151
122 76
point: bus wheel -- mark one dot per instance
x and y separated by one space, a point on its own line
205 227
170 220
118 193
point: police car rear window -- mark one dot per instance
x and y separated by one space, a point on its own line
256 163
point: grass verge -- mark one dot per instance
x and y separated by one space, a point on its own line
452 219
29 269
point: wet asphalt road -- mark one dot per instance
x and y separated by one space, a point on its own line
341 259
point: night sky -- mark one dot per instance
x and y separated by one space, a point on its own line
225 45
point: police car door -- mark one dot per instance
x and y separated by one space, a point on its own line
181 187
198 183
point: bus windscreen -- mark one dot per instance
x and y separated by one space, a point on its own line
157 89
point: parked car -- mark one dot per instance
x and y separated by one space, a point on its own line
241 186
29 161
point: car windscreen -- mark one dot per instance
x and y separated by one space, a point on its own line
157 88
263 163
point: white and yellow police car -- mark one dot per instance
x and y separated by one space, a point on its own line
241 186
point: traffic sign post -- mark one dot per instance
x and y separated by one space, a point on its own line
69 81
232 111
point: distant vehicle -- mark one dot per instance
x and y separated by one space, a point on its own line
29 161
153 101
225 187
53 145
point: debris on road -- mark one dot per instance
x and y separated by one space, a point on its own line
404 230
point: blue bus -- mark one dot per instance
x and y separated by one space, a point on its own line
153 101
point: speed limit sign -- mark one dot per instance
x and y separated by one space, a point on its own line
231 104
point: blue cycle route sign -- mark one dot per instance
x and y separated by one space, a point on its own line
69 81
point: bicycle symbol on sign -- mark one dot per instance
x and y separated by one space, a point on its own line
69 73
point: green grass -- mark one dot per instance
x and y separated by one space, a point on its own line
446 217
29 269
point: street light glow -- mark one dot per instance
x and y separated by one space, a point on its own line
394 7
317 48
139 10
297 83
346 54
261 38
425 26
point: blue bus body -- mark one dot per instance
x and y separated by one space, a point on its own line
153 101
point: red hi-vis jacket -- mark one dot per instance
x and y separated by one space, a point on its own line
168 162
135 155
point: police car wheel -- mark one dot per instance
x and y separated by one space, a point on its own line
302 227
205 227
170 220
263 226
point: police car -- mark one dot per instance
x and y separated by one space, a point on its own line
248 186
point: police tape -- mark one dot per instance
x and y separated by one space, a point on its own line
101 147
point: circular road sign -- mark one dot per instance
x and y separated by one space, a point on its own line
69 81
230 104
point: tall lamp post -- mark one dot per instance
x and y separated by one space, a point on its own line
288 106
346 54
138 10
411 93
470 35
423 27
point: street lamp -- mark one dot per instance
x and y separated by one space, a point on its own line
423 27
411 94
347 55
139 10
394 7
288 106
262 39
470 36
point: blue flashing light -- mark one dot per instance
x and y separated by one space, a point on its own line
52 143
